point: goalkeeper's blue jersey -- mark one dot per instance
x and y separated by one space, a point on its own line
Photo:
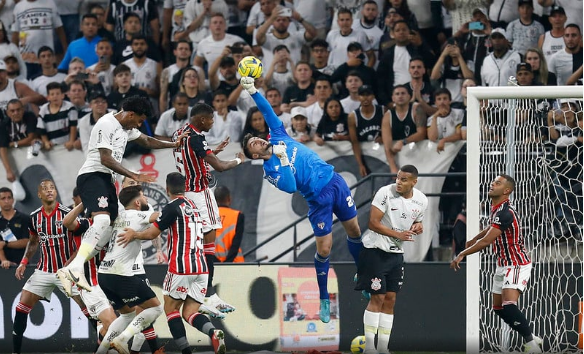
307 172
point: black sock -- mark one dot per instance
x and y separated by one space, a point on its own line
210 258
179 334
202 323
151 338
517 321
20 322
93 323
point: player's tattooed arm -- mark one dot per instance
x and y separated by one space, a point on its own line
108 161
153 143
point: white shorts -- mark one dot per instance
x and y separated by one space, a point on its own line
179 286
207 208
43 283
511 277
95 300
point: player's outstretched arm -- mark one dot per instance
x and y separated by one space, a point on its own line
108 161
130 235
221 165
264 106
153 143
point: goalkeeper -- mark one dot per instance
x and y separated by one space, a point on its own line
291 167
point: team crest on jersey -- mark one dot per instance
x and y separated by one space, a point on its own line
188 210
375 284
320 225
59 223
102 202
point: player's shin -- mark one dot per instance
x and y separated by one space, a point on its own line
140 322
151 338
209 249
96 234
516 320
202 323
179 334
355 245
137 342
321 265
384 332
20 322
115 328
370 324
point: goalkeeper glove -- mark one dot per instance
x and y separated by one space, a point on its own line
280 151
248 84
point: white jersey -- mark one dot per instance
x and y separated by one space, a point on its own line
120 260
399 215
193 10
109 134
106 77
40 83
167 124
143 76
8 94
211 49
447 125
338 45
551 45
562 64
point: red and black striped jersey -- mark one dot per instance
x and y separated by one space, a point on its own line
185 237
55 241
189 159
91 266
510 245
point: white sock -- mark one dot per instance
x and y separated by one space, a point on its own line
384 332
137 342
143 320
115 328
95 236
370 322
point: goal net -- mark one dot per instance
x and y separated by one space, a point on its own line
535 135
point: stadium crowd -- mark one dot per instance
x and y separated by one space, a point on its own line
390 71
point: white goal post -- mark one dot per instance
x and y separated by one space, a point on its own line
512 98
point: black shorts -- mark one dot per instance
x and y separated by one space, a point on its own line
379 272
121 290
143 277
98 193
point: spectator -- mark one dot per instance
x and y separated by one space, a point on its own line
238 13
17 129
214 44
393 66
402 7
319 51
352 84
174 118
77 94
8 49
190 85
49 72
278 75
535 58
501 12
104 69
299 129
419 87
182 54
228 124
565 62
228 70
525 31
301 94
84 47
13 69
340 39
123 47
576 77
69 13
450 71
57 122
170 8
10 89
365 125
500 64
145 71
30 36
403 124
574 9
462 10
322 91
122 87
280 35
333 125
7 15
524 75
353 7
387 40
230 235
197 16
444 125
464 92
355 62
552 41
255 124
99 12
275 99
475 43
459 233
368 24
257 14
14 227
149 22
242 101
98 105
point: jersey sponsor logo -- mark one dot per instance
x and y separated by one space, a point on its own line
107 264
375 284
102 202
43 237
132 299
182 289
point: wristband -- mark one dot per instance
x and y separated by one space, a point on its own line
238 160
24 261
405 141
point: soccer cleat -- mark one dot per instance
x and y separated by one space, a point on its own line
67 284
218 341
366 295
74 276
211 311
120 346
160 351
535 346
215 301
325 310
